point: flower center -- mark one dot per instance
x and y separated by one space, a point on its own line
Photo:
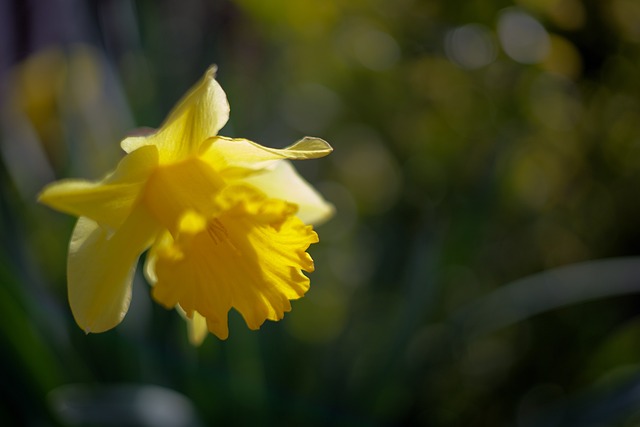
216 231
174 189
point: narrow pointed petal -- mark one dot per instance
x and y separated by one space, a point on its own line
100 269
283 182
248 154
196 118
109 201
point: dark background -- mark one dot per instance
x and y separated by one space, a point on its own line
482 268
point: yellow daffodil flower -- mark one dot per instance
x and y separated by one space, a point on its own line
225 220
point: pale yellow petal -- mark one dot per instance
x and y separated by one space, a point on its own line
197 117
233 153
109 201
196 326
149 268
100 269
283 182
249 258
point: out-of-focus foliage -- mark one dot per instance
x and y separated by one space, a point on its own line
483 265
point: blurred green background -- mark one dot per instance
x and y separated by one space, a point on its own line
483 267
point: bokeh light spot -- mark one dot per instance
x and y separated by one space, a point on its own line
564 58
523 38
470 46
376 50
371 47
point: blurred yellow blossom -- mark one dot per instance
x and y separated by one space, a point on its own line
225 220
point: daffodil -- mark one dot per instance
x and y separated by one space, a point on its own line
226 222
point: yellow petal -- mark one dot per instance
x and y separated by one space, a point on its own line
197 117
163 240
250 257
109 201
100 269
283 182
230 152
196 326
149 269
